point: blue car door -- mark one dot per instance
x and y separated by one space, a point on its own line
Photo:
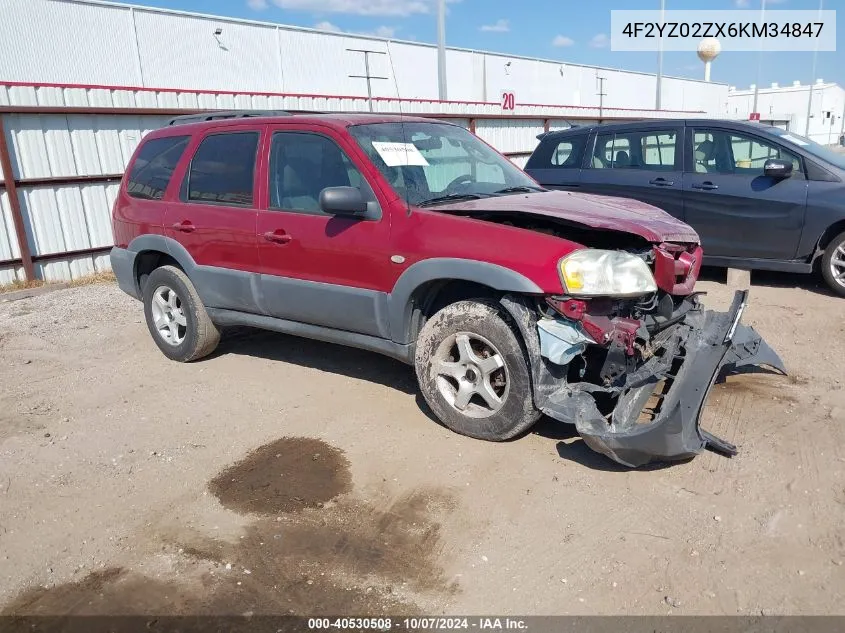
737 210
644 163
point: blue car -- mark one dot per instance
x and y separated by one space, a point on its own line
760 197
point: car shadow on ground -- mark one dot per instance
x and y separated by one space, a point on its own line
375 368
337 359
572 448
812 282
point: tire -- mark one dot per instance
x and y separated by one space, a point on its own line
187 332
833 264
470 345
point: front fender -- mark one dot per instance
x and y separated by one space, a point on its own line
400 305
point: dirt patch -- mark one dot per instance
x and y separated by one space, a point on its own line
761 384
285 476
310 556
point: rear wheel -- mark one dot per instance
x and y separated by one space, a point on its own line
833 264
473 373
176 317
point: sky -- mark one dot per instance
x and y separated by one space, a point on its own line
563 30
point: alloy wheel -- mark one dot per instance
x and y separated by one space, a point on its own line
169 316
471 374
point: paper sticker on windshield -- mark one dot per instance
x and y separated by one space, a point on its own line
399 154
793 139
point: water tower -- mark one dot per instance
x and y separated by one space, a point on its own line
708 50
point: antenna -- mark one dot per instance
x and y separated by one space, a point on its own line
401 121
367 74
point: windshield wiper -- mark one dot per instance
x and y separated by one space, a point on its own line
452 197
520 189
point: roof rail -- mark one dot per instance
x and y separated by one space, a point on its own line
543 135
225 114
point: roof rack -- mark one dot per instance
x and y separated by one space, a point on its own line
543 135
225 114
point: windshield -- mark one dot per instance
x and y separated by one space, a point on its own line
436 163
819 151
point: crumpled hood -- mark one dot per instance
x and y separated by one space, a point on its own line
600 212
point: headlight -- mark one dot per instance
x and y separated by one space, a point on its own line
595 272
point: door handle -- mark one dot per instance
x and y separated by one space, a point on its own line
186 226
278 236
706 186
661 182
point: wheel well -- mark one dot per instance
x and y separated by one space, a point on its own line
147 261
831 232
436 295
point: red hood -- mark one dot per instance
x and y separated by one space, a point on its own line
600 212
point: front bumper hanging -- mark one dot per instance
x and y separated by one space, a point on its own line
656 408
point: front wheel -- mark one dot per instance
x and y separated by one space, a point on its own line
833 264
473 372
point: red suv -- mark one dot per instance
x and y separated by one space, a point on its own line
413 238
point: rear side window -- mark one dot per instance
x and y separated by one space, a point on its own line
154 165
564 153
222 170
652 150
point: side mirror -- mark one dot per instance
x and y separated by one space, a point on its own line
778 168
342 201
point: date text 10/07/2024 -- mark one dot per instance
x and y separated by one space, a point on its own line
419 624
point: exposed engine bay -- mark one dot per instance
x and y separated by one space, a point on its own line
638 396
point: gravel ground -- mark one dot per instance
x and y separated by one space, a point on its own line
285 475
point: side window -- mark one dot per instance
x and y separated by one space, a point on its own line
658 150
302 165
154 165
705 157
222 170
612 152
567 153
724 152
750 155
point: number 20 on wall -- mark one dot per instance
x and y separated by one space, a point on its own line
508 100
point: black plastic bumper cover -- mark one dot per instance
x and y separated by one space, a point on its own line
675 382
123 267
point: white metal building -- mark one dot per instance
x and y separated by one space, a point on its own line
789 104
88 42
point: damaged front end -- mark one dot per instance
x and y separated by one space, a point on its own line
635 387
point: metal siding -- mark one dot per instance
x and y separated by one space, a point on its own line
180 50
71 218
320 63
416 70
510 136
43 225
97 200
52 145
68 217
8 238
66 42
10 274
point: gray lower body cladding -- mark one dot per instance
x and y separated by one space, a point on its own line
656 408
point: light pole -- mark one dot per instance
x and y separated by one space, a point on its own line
657 96
813 78
759 59
441 49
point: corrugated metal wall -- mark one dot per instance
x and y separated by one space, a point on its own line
79 41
